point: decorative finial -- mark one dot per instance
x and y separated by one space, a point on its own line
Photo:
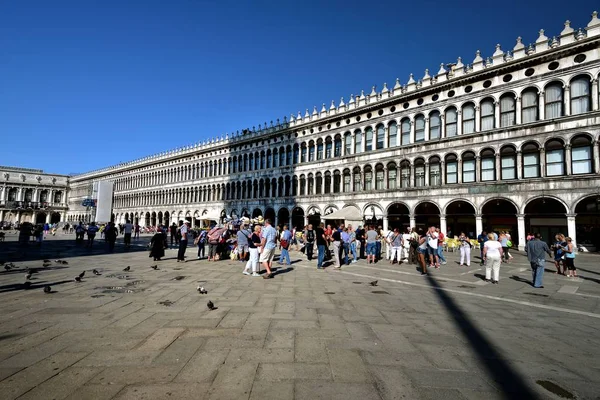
397 85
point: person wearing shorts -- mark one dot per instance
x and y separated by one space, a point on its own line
371 239
127 229
569 262
268 244
422 253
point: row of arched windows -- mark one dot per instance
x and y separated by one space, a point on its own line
30 195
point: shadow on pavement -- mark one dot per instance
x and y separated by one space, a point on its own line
38 285
509 382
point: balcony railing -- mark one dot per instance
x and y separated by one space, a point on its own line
29 205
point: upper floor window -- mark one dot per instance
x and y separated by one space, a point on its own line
555 158
581 155
468 119
392 134
434 171
554 100
405 131
296 154
419 173
434 125
303 154
380 142
529 106
357 180
357 142
451 119
347 143
281 157
580 95
508 163
337 146
468 167
328 148
531 161
311 151
379 177
488 165
392 176
347 181
368 178
368 139
320 150
507 110
487 115
419 128
451 169
405 174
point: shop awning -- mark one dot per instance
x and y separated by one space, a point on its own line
346 213
210 217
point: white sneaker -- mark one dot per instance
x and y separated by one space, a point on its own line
444 263
246 273
255 274
353 261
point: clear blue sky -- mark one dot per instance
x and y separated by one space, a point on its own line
87 84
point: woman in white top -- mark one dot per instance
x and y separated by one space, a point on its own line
492 254
465 249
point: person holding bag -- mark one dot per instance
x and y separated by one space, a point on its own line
569 262
465 249
254 250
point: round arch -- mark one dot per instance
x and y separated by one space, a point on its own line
500 214
587 222
314 215
270 215
546 215
373 214
54 218
427 213
460 217
257 212
283 217
398 216
298 217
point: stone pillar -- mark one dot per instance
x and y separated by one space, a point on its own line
352 150
477 119
18 218
413 223
572 228
542 106
596 157
458 122
411 182
1 215
519 161
442 127
496 114
521 231
477 169
568 169
426 129
595 94
498 168
567 100
478 224
442 174
385 223
518 111
443 226
459 172
386 135
426 174
542 162
412 130
34 217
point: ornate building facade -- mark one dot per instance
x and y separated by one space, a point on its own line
509 142
32 195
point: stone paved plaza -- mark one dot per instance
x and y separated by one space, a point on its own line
305 334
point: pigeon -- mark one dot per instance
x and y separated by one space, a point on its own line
64 263
77 279
27 285
47 289
58 261
154 267
201 290
127 268
81 275
374 283
96 272
46 261
211 306
7 267
28 276
46 265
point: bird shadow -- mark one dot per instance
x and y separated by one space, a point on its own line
38 285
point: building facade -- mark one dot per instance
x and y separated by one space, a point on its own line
509 142
30 195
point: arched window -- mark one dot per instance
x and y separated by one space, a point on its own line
327 182
405 174
357 180
311 151
328 148
581 155
468 118
419 172
357 141
393 134
303 153
296 155
488 165
419 128
553 95
451 169
508 163
302 185
269 158
368 177
487 115
336 181
288 155
320 149
434 171
555 158
337 146
405 131
281 157
392 175
311 185
507 110
434 125
529 106
275 158
451 118
347 143
580 95
347 181
468 167
319 183
368 139
531 160
380 141
256 162
379 177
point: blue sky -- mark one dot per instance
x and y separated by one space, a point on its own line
87 84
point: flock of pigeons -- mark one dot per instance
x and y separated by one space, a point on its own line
79 278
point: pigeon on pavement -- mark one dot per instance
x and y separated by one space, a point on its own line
77 279
201 290
28 276
46 261
65 263
96 272
81 275
47 289
154 267
127 268
27 285
374 283
211 306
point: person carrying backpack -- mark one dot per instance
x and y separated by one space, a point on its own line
309 238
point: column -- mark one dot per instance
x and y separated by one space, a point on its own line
477 169
498 170
442 174
426 174
477 119
595 151
18 216
542 162
521 231
496 114
458 122
412 130
386 135
442 127
572 229
568 159
34 217
519 161
459 171
63 216
413 223
1 215
426 129
478 224
385 223
412 176
443 226
518 111
542 105
567 100
594 94
352 140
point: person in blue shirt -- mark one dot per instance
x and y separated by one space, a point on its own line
91 233
285 240
268 243
482 239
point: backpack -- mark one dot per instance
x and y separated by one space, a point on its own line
310 236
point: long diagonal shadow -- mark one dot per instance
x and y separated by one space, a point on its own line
509 381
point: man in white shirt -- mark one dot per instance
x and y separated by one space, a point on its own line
406 236
127 230
432 245
388 243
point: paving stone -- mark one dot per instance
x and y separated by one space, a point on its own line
283 355
347 366
447 379
293 371
118 358
264 390
280 338
309 349
323 390
95 392
63 384
233 382
203 366
160 339
393 383
164 391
